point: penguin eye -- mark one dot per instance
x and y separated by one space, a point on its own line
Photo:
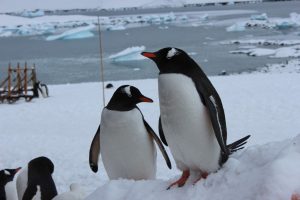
127 91
171 53
7 172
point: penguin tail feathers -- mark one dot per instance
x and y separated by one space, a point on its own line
237 145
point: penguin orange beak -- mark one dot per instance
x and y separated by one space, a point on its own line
149 55
145 99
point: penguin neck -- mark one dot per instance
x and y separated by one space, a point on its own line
2 192
117 105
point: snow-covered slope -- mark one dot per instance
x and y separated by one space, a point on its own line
62 126
15 5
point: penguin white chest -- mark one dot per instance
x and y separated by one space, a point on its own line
11 191
126 147
186 124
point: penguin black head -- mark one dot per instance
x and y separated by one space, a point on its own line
171 60
7 175
125 98
41 164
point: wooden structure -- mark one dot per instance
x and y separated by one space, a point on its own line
20 82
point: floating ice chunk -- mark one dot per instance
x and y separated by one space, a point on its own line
259 17
115 28
282 24
76 33
236 27
31 14
131 53
255 52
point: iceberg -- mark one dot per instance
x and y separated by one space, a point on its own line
236 27
282 25
31 14
76 33
259 17
128 54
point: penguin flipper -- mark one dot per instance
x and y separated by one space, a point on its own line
159 144
218 122
95 151
30 192
161 132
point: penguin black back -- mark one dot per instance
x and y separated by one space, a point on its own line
6 175
125 98
40 174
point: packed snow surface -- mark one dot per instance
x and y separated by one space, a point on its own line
62 126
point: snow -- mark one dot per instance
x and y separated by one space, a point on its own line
62 126
262 16
15 5
76 33
128 54
283 52
290 66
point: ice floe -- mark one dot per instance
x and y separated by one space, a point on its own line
31 14
76 33
282 52
128 54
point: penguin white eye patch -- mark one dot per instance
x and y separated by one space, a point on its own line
7 172
127 91
172 53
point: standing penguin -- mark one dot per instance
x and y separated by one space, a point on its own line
192 118
125 138
7 185
35 181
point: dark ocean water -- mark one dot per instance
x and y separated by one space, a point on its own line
76 61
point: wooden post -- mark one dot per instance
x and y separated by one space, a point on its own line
9 81
25 79
18 80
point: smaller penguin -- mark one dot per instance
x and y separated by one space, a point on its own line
7 185
126 139
76 193
35 181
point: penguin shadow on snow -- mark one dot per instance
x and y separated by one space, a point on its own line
125 140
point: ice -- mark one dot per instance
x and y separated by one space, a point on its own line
115 28
282 25
236 27
76 33
283 52
291 66
255 52
262 16
264 42
31 14
128 54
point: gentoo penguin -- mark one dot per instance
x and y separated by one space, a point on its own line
192 121
125 138
76 193
35 181
7 185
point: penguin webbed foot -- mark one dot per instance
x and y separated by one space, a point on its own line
203 175
94 167
182 180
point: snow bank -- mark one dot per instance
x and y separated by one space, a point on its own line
76 33
266 172
290 66
62 126
128 54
